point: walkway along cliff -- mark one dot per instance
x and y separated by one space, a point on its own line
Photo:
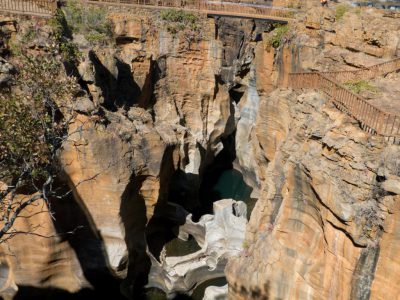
371 118
216 8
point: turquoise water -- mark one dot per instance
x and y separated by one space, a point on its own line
231 185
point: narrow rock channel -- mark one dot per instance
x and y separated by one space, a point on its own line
162 154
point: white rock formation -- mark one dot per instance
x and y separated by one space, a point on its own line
220 236
216 293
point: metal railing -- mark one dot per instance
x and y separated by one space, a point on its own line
372 119
210 7
29 7
48 7
368 73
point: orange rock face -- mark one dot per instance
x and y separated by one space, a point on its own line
157 110
321 225
171 112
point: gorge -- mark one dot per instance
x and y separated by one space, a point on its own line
190 168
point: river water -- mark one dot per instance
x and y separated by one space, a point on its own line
229 184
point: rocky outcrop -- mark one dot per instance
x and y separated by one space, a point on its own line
6 72
157 110
326 207
213 292
323 42
220 237
8 27
320 220
168 109
153 114
49 261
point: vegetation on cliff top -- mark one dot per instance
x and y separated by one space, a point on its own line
63 38
276 36
340 11
176 21
90 21
359 86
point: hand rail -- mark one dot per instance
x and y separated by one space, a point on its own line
371 118
367 73
35 7
209 7
48 7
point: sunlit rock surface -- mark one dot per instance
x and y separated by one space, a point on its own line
155 114
322 227
216 293
220 236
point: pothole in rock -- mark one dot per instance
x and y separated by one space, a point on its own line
219 236
189 249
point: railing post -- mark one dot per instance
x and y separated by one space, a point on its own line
376 119
394 120
379 123
386 123
362 111
334 93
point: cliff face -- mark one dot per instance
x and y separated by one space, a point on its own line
321 225
327 207
156 108
169 108
345 38
175 123
158 112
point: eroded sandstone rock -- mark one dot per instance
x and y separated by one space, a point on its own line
318 223
323 41
220 237
160 110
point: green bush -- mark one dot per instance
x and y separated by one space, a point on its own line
68 49
20 139
95 36
357 11
341 9
91 21
179 20
360 86
30 130
14 47
29 35
178 16
276 36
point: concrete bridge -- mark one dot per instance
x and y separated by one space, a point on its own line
210 8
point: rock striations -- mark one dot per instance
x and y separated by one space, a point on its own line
160 110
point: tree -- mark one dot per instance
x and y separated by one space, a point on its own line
34 116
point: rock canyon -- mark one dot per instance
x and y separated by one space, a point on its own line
190 168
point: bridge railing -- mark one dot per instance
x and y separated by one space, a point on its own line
192 4
248 9
368 73
208 7
371 118
35 7
305 80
